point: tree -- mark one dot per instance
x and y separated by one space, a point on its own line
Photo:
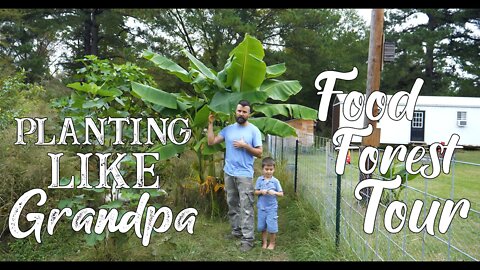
100 32
31 38
27 40
317 40
443 51
208 34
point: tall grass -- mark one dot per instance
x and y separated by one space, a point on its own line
301 236
25 167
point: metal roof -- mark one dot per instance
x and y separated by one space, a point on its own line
431 101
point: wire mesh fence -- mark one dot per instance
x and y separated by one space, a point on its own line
312 162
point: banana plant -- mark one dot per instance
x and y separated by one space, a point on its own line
396 168
245 76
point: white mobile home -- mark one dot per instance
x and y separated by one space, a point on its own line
435 119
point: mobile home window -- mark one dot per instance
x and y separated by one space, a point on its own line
417 120
461 119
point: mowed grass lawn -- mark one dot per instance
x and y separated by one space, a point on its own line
463 180
461 242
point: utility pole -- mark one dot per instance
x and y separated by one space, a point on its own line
375 62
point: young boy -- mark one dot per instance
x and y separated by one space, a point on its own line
268 188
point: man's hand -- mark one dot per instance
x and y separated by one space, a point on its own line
263 191
240 143
255 151
211 138
211 118
271 192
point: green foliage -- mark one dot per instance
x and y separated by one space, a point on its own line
309 40
273 126
109 75
104 91
26 38
14 92
440 49
294 110
246 70
244 76
106 199
25 167
396 168
316 40
52 248
300 238
302 221
107 36
312 41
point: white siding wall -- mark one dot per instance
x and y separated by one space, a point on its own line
440 124
394 132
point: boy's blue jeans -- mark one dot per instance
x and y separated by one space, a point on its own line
267 220
240 200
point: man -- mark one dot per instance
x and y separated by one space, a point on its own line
243 141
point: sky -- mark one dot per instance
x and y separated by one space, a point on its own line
365 13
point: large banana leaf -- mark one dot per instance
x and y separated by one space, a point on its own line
168 65
166 151
274 71
195 63
154 95
201 117
222 74
273 126
398 169
226 103
183 103
164 111
206 149
288 110
280 90
247 70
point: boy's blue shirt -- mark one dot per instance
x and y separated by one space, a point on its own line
267 201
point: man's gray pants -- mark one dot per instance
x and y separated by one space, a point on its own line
240 200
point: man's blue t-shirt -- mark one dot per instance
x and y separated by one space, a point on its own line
238 162
266 202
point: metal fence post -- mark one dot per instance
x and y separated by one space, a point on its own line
296 167
275 152
281 155
337 210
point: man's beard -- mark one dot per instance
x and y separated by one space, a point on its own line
241 120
